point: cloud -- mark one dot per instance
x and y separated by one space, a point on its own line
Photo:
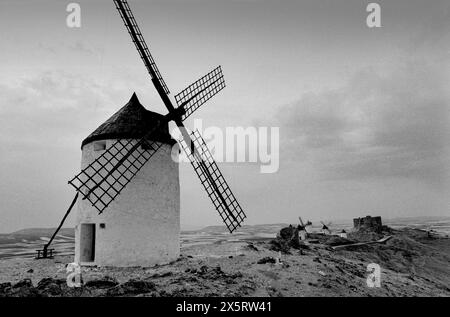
48 106
43 119
83 48
378 125
58 105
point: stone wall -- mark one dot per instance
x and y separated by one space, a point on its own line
368 223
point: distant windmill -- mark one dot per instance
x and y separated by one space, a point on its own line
343 234
304 225
302 232
104 179
325 228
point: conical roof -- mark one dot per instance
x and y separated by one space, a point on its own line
132 121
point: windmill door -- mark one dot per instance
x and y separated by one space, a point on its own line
87 242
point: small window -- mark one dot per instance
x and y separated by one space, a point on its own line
102 226
100 146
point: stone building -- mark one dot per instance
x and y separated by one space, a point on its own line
368 223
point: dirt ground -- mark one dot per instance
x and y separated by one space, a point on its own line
412 264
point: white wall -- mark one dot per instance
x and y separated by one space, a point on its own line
143 222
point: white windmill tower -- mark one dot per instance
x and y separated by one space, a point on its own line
142 226
129 214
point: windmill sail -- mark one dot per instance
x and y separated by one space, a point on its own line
191 98
104 179
138 40
214 183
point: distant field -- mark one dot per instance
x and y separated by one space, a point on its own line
24 243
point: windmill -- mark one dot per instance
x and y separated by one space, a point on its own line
343 234
103 180
303 233
325 228
304 225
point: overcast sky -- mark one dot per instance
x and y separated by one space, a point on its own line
363 112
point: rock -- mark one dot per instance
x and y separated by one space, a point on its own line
273 292
214 274
279 245
252 247
204 269
54 287
132 287
5 288
246 289
288 233
287 238
23 283
30 271
191 279
105 282
23 288
267 259
180 292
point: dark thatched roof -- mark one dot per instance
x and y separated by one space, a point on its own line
132 121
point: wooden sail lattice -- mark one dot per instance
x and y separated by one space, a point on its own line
105 178
214 183
133 29
196 94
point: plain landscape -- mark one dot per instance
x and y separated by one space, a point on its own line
252 262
